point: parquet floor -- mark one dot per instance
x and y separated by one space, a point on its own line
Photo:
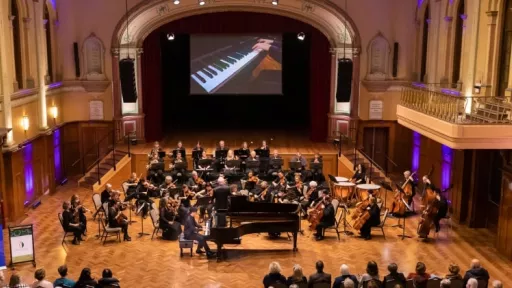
156 263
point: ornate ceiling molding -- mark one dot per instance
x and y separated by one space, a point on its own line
147 16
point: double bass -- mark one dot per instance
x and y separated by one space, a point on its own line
428 214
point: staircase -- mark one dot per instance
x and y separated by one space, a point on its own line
98 171
494 111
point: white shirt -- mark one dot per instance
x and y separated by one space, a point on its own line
42 284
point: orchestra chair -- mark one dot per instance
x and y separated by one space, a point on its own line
66 233
154 219
434 283
96 199
107 231
185 244
457 283
392 283
382 223
337 220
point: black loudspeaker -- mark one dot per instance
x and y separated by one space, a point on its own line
128 88
344 80
77 60
395 60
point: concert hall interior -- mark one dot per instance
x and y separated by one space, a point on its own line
210 143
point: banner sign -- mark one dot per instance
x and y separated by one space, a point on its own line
21 239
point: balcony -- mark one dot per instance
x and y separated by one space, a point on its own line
460 122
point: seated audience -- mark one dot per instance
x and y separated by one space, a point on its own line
497 284
372 283
454 272
372 273
319 276
472 283
274 275
345 274
394 275
420 278
40 282
63 280
476 271
297 276
85 280
107 280
348 283
446 283
15 282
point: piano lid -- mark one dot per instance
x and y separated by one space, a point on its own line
240 204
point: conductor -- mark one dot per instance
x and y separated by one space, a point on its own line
220 195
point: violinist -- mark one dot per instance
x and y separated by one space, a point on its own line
131 184
105 195
142 196
273 169
168 221
199 150
374 219
280 183
263 195
156 177
252 181
233 189
68 221
168 184
156 148
116 218
179 150
79 211
195 182
208 192
186 196
311 198
359 176
327 220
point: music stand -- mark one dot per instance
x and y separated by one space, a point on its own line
161 154
174 191
262 153
276 162
157 166
345 222
221 154
295 165
403 235
316 166
388 188
252 165
180 166
175 153
203 201
142 233
244 154
233 163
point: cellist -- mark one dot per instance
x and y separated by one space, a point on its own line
327 220
374 219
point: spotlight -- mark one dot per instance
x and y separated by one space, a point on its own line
201 2
301 36
275 2
170 36
176 2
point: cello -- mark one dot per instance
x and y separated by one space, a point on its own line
427 216
361 214
315 215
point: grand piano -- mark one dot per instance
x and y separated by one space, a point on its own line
247 217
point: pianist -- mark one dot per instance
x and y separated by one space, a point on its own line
191 233
271 46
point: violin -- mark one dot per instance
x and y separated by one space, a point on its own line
254 179
199 181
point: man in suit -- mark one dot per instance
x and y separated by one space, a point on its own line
328 219
191 233
221 194
319 276
394 275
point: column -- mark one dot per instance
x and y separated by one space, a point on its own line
446 41
41 63
139 79
334 69
491 40
354 99
29 78
463 60
7 77
15 83
471 40
116 93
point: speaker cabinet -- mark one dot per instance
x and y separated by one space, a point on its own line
128 87
395 59
344 90
77 60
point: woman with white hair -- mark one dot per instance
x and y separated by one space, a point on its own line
497 284
274 275
472 283
297 276
344 274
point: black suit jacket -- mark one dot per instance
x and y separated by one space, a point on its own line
190 227
374 215
319 278
400 277
221 194
328 216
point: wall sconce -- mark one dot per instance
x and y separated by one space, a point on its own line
25 123
477 88
54 112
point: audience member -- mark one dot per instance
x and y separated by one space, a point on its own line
420 278
63 280
319 276
348 283
476 271
345 274
274 275
394 275
294 286
372 272
454 272
472 283
15 282
85 279
297 277
107 280
40 274
446 283
497 284
372 283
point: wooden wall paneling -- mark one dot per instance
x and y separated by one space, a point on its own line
391 125
458 195
478 194
50 163
71 151
403 148
505 216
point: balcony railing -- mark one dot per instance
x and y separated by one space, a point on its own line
455 108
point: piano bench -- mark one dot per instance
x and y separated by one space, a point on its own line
185 244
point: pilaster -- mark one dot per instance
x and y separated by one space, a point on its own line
41 63
492 18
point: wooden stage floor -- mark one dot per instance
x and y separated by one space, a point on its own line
156 263
286 141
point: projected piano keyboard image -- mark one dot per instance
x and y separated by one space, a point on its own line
212 71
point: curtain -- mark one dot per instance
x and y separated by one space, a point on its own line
152 87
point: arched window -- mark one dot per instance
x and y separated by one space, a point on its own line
506 42
457 52
424 44
16 37
47 29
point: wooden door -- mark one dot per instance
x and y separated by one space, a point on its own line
505 218
375 144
